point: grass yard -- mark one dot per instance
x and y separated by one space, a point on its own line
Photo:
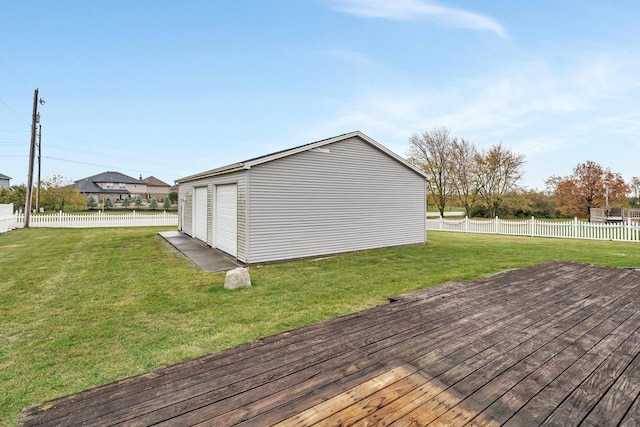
83 307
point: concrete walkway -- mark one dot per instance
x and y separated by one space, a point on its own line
207 258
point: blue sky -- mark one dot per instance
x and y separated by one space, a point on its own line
172 88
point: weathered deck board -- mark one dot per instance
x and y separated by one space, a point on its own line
554 343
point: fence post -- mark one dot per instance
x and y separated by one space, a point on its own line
575 227
532 226
466 224
440 223
497 224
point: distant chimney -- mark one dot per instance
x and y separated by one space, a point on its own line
140 177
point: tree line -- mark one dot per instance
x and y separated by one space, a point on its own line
486 183
58 194
460 174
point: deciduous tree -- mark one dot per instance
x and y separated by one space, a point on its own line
590 186
58 194
464 173
431 151
499 170
16 195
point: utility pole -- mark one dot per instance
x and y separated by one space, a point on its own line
39 166
34 119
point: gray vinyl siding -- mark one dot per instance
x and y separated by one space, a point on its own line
185 197
352 197
186 188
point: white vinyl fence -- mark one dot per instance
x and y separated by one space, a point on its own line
7 219
628 231
99 219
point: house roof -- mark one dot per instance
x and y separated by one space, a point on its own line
152 180
88 185
248 164
115 177
4 176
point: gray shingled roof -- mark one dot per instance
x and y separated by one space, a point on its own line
115 177
88 185
247 164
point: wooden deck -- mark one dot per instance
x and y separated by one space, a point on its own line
556 343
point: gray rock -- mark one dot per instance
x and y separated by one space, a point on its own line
237 278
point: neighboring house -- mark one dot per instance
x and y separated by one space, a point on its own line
156 189
340 194
5 181
113 185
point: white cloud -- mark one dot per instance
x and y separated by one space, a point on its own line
558 113
410 10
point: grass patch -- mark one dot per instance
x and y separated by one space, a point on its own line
83 307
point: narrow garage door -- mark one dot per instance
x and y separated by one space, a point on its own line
200 213
226 223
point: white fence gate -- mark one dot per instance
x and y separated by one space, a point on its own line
570 229
99 219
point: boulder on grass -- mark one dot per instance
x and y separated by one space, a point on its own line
237 278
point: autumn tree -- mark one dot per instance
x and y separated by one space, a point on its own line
590 186
498 170
431 151
57 194
464 173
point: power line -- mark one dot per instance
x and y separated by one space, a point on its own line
128 148
14 73
12 110
110 155
107 166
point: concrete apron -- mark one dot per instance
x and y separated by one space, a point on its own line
207 258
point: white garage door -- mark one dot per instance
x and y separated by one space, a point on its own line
200 213
226 223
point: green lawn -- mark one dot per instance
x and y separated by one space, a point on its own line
83 307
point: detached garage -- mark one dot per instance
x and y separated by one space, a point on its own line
340 194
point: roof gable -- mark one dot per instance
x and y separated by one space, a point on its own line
86 186
248 164
152 180
2 176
